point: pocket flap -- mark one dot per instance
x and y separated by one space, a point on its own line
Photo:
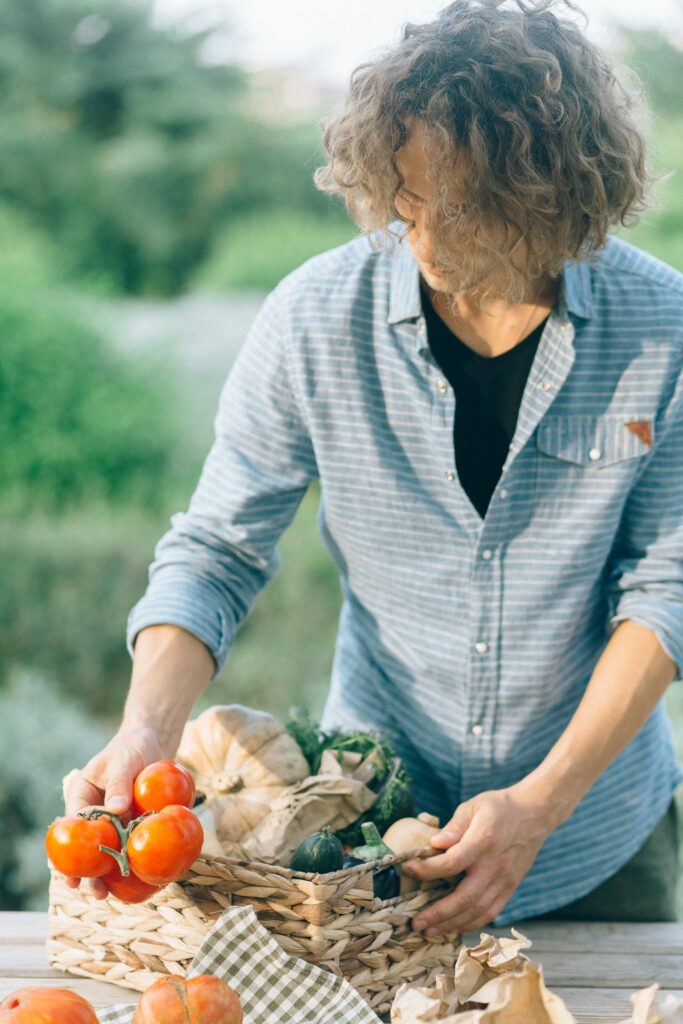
595 440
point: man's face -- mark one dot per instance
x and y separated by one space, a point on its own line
411 201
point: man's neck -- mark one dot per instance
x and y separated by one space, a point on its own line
497 328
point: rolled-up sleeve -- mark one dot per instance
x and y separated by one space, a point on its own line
217 556
646 565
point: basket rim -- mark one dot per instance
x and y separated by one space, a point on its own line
329 876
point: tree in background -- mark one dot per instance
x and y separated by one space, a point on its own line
129 149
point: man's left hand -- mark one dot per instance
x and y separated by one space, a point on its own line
494 838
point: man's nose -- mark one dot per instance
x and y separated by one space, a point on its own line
424 249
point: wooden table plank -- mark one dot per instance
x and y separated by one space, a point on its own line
22 926
599 1006
610 970
99 993
594 937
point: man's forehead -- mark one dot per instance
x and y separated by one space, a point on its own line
413 159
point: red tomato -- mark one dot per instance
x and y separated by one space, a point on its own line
72 846
205 999
130 889
46 1006
161 784
164 845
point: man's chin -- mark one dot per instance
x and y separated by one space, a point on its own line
441 283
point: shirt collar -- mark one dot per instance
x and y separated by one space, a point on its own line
576 294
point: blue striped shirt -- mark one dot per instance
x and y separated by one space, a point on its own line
469 641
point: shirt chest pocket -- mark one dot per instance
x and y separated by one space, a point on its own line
591 457
594 442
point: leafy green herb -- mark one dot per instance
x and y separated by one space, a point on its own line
306 732
391 781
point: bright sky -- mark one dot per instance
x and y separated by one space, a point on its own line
330 37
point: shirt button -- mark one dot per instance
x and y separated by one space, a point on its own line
477 729
481 647
487 554
450 475
503 492
595 454
442 386
544 385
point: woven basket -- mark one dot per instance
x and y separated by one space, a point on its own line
331 920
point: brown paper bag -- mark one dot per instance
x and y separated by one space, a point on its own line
493 983
335 797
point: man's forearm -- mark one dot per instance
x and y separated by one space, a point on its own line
629 679
171 669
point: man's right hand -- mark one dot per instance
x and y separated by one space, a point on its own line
107 780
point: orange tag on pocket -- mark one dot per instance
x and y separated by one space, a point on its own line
642 429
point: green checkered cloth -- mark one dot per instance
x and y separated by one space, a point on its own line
273 986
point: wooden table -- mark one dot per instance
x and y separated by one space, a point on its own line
593 967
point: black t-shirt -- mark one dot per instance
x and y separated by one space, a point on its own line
488 392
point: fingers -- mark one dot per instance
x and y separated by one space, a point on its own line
458 857
119 794
97 887
475 902
115 795
454 830
80 792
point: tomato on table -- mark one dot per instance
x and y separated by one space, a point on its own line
44 1005
204 999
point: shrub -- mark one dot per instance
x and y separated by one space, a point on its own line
68 585
257 249
77 421
42 737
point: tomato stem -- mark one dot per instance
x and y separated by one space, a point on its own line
121 858
123 831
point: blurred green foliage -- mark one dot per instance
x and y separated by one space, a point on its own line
42 737
257 249
29 259
657 59
660 230
69 583
129 149
78 422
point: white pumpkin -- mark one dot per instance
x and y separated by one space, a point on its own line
242 760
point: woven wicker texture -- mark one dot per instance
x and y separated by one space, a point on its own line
331 920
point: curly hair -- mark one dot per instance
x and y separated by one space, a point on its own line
551 140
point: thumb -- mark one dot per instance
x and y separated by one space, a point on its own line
455 829
119 793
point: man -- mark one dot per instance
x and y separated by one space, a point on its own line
494 409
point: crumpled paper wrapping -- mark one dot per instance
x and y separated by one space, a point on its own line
496 983
650 1006
335 797
493 983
